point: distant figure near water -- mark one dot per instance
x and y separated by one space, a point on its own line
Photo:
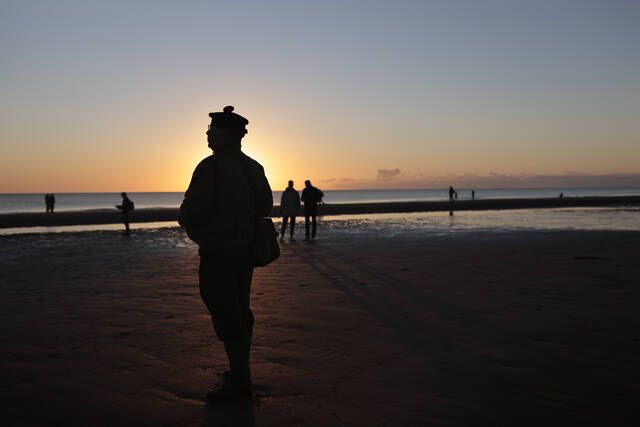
50 202
311 196
126 207
473 194
289 207
228 194
452 193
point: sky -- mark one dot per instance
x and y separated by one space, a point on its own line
115 95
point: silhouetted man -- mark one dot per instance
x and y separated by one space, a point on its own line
473 194
50 202
311 196
452 193
126 207
227 194
289 207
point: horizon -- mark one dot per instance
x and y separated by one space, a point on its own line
441 188
364 94
467 181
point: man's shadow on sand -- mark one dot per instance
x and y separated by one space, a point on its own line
236 414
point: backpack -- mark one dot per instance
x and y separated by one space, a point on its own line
127 206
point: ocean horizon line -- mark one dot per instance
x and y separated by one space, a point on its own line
34 202
466 188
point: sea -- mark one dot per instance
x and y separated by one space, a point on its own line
409 225
16 203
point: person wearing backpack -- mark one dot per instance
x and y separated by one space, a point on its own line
126 207
311 196
228 194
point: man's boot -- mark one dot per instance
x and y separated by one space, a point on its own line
236 385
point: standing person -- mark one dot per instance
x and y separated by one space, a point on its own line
47 202
452 193
311 196
228 193
473 194
289 207
52 202
126 207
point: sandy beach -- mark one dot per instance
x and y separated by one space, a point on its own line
477 328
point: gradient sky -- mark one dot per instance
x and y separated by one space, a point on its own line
115 96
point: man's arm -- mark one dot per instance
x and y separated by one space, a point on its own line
264 196
197 206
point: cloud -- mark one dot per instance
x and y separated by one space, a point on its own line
394 178
522 180
338 180
388 174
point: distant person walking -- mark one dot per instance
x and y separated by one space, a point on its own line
453 194
311 196
228 194
126 207
289 208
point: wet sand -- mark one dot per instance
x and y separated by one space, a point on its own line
476 328
39 219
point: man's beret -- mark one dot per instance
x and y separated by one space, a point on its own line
228 119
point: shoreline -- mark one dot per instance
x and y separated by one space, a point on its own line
97 216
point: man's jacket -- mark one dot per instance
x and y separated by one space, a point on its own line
289 202
227 194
